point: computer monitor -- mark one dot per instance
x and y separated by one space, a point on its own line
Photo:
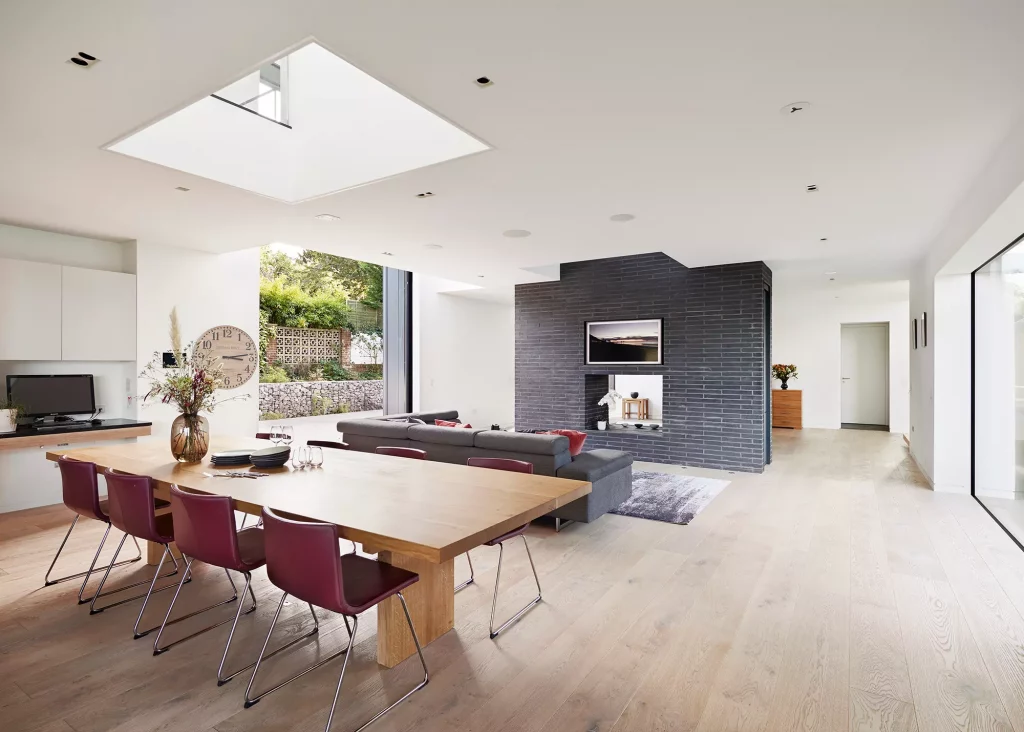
47 396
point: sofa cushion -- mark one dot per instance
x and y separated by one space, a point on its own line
375 428
446 423
442 435
523 443
594 465
576 439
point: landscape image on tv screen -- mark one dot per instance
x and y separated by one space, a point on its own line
624 341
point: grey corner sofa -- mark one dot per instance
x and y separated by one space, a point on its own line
610 472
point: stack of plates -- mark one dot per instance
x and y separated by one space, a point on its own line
271 457
229 458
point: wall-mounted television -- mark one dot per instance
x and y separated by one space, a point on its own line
59 394
624 341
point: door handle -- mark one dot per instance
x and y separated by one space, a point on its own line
845 378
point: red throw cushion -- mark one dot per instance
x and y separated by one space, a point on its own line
576 439
446 423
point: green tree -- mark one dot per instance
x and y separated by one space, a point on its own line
363 281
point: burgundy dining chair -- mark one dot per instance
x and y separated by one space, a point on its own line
331 444
518 466
262 435
204 530
303 561
405 452
81 493
130 501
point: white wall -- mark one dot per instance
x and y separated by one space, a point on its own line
208 290
647 386
463 354
988 218
806 320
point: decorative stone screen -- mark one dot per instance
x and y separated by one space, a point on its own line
308 345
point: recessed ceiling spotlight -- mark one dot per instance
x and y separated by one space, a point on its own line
516 233
824 238
480 276
433 246
84 60
812 188
387 254
182 189
326 217
621 217
794 108
483 81
425 194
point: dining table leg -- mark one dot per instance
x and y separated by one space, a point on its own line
431 604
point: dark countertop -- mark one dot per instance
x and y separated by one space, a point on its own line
107 424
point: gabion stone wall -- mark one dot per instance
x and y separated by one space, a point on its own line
303 398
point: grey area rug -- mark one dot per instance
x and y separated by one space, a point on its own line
669 497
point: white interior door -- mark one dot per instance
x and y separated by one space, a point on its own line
865 373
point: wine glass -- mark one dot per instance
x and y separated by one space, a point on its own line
275 434
316 456
300 457
287 433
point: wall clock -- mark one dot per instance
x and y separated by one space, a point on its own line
234 350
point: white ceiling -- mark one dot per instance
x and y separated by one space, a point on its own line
666 110
345 129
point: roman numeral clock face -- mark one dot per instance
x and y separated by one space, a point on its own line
234 350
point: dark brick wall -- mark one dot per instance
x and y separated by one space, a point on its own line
716 350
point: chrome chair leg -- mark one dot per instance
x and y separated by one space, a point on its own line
250 700
157 649
378 715
47 581
562 523
468 582
166 553
99 590
96 556
494 603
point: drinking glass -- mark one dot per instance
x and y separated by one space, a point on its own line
300 457
275 434
287 433
316 456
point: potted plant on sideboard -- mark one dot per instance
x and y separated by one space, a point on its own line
9 413
784 372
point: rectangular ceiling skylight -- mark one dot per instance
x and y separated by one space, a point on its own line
343 129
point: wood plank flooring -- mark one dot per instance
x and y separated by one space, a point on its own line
834 592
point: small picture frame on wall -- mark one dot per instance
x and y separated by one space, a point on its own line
924 330
915 334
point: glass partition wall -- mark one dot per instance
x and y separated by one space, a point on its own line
998 356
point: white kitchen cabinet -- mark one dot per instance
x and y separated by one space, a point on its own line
98 320
30 311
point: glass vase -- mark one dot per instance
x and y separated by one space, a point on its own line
190 438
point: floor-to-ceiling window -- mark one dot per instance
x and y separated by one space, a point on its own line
998 292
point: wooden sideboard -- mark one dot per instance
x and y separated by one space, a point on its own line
788 408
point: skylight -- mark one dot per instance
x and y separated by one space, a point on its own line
307 125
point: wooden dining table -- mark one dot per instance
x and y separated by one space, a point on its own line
415 514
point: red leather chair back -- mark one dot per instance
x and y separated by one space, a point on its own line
204 528
303 560
80 488
262 435
406 452
334 445
516 466
130 499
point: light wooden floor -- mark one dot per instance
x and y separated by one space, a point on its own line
834 592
